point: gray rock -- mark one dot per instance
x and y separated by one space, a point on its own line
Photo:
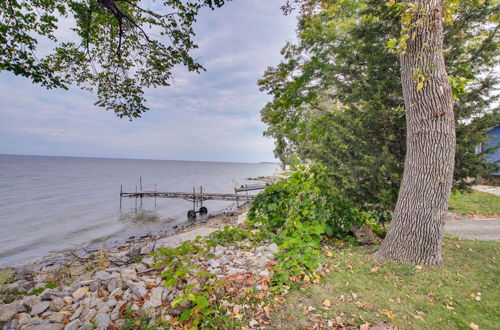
116 292
56 304
149 262
30 301
102 320
134 251
233 271
11 325
140 268
114 283
214 263
147 249
76 314
156 297
264 273
273 248
94 286
67 300
57 317
101 275
23 318
216 271
47 294
7 312
111 303
40 307
138 288
262 261
128 274
74 325
80 293
88 314
219 250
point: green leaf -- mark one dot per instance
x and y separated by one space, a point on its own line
201 301
185 315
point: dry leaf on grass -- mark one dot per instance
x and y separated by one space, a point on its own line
474 326
327 303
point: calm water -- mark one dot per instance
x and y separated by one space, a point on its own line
49 204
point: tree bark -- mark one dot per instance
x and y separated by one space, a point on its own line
416 230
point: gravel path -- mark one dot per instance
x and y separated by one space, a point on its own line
482 229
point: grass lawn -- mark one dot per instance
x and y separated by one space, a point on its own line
476 203
359 289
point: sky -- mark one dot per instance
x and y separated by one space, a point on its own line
213 116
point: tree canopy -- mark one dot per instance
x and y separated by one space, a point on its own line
115 48
337 94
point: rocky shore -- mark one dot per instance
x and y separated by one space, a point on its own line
99 296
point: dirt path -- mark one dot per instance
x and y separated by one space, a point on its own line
481 229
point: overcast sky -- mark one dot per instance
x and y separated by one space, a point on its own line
213 116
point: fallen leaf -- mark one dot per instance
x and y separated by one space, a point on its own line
329 254
473 326
365 326
327 303
306 278
253 323
266 311
389 314
373 270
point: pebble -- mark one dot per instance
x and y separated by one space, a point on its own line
57 317
56 304
7 312
74 325
68 300
138 288
40 307
81 292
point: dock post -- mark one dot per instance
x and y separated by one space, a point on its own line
140 182
155 194
121 194
135 198
201 197
194 199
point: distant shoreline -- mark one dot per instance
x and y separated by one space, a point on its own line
147 159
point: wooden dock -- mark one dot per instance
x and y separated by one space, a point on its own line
189 196
196 197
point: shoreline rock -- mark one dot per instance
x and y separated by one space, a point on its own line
99 298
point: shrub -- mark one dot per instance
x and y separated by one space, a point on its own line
298 213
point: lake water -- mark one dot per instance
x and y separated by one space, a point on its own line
50 204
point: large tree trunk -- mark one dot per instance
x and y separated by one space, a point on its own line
416 230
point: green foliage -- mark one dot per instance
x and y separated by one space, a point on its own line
297 213
229 235
337 95
117 48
